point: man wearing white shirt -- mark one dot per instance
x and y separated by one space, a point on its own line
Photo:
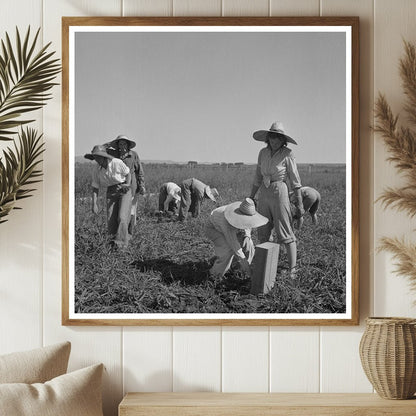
113 175
169 197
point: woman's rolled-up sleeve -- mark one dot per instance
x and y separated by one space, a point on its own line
292 172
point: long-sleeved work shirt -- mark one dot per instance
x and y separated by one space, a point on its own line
281 167
230 233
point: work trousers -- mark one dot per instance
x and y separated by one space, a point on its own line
189 200
273 203
118 215
223 253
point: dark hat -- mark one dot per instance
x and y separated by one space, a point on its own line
277 128
114 143
98 150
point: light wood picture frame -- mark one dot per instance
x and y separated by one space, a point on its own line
190 92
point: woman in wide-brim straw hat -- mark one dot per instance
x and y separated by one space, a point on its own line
276 170
222 229
113 175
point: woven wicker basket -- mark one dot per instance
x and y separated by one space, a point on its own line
388 356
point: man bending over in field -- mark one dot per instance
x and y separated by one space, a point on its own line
111 173
311 199
222 229
169 197
193 193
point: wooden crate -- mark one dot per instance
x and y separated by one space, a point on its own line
264 267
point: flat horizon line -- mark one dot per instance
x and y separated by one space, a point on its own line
173 162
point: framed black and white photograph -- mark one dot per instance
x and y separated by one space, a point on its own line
210 171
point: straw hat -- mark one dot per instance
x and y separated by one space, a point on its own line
211 193
98 150
114 143
244 215
277 128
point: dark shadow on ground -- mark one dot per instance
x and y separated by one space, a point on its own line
195 273
190 273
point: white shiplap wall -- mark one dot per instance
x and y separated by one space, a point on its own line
237 359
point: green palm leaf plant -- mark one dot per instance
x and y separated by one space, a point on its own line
26 78
401 142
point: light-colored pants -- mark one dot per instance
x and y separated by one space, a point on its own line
118 215
223 253
273 203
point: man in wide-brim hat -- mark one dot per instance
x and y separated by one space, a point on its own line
223 228
113 175
121 147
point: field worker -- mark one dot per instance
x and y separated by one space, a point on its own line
120 148
222 229
111 173
193 193
276 166
169 197
311 200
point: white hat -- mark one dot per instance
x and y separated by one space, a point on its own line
244 215
211 193
98 150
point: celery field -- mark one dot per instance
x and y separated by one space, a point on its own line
165 268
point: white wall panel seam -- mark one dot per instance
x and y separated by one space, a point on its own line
269 354
374 161
172 358
374 158
320 359
122 360
42 283
221 359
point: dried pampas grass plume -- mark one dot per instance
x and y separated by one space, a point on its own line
404 254
401 143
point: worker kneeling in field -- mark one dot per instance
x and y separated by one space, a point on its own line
169 197
311 200
222 229
193 192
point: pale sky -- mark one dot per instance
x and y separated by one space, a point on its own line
200 96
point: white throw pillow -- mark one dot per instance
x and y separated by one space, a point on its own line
35 366
73 394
